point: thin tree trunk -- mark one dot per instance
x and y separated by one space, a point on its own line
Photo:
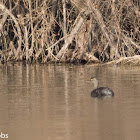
65 20
26 43
32 29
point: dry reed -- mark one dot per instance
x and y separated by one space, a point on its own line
70 30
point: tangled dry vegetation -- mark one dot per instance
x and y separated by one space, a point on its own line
70 30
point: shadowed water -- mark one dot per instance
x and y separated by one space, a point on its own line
40 102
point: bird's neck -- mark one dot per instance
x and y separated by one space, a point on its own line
95 84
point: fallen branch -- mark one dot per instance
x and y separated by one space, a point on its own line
126 60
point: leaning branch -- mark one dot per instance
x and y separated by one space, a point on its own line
70 38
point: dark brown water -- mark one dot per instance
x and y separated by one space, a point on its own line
41 102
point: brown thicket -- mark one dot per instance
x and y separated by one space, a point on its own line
70 30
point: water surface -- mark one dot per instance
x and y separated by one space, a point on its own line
48 102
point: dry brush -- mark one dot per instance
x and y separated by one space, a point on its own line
69 30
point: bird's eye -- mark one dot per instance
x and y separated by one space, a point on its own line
91 78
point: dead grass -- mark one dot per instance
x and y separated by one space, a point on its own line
70 31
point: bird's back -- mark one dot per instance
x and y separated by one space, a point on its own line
102 91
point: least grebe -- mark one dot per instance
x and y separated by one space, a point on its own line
101 91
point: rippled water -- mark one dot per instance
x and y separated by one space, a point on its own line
40 102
